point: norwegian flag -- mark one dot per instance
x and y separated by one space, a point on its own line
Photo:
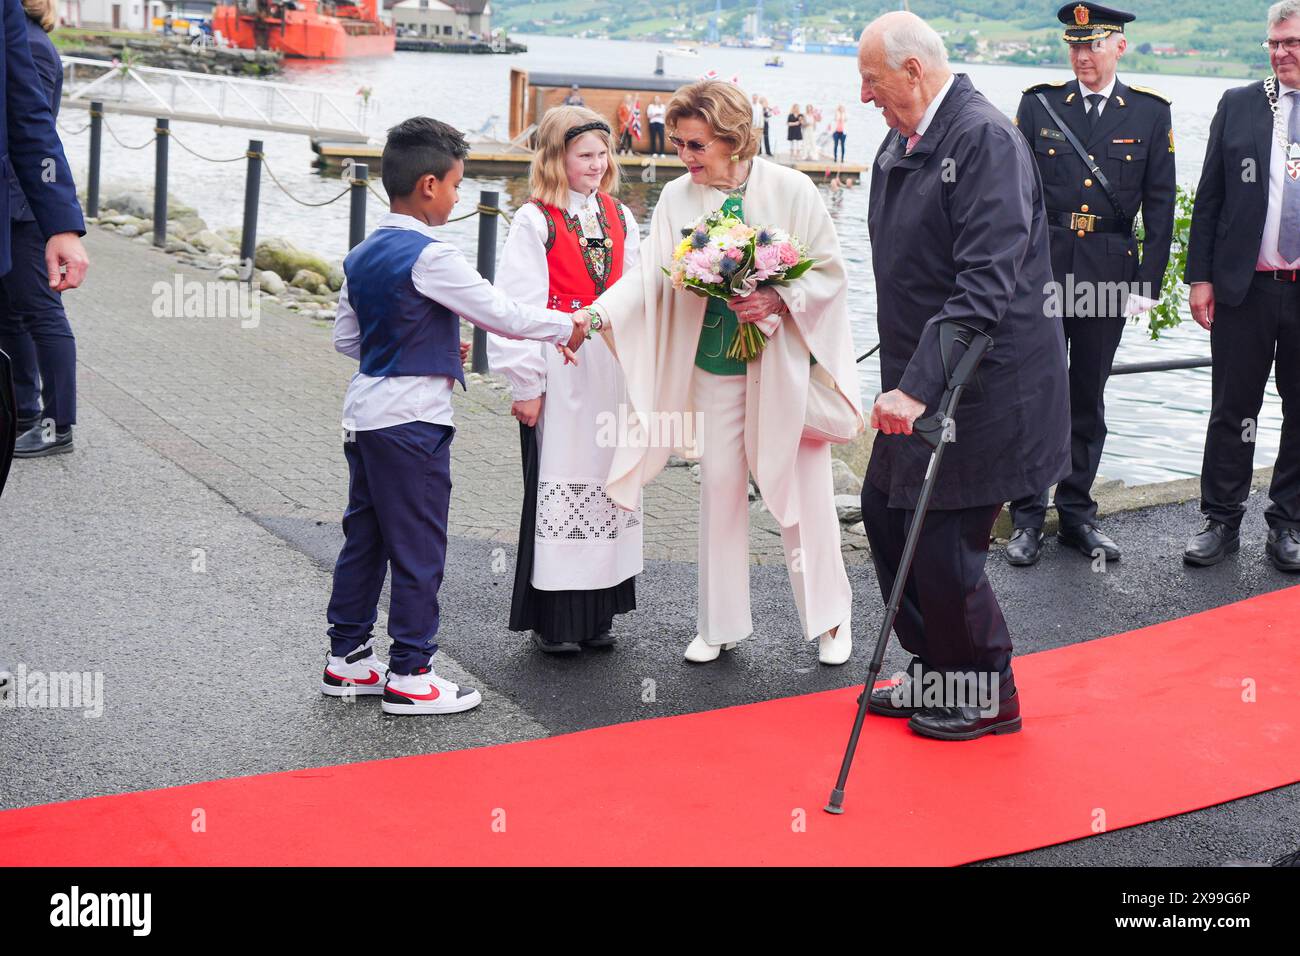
636 119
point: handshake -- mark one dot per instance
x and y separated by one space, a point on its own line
584 323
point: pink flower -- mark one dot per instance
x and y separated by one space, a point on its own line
736 254
789 254
767 259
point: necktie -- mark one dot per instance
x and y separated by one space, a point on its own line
1094 108
912 141
1288 237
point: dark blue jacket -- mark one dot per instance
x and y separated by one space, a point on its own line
50 70
29 143
1228 218
958 231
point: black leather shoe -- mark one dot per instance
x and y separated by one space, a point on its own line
967 723
1089 539
555 647
603 639
32 443
890 701
1025 547
1283 548
1212 544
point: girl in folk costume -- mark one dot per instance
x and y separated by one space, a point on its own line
579 553
775 415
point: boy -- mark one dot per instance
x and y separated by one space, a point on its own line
397 315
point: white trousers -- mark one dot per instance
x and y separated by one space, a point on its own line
812 546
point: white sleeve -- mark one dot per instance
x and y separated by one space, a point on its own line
347 334
632 243
523 276
442 274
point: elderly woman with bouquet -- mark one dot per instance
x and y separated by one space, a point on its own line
736 317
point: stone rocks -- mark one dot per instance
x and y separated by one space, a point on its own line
270 282
846 482
848 508
228 272
209 241
287 260
309 280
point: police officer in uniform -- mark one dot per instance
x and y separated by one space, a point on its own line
1123 162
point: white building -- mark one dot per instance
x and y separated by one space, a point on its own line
449 20
111 14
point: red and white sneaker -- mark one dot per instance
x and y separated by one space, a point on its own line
426 693
361 672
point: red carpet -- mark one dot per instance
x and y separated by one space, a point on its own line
1117 732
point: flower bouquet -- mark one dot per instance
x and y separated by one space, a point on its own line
721 257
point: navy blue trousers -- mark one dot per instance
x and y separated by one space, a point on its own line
949 617
34 330
399 489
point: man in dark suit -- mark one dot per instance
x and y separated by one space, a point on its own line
1127 164
36 159
958 233
1243 265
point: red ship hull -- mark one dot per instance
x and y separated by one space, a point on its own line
305 33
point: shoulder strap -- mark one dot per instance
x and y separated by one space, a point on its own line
550 222
1102 181
614 215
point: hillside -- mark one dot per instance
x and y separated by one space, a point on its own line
1170 36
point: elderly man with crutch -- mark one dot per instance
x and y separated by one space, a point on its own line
961 259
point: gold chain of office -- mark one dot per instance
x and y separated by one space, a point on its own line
1289 150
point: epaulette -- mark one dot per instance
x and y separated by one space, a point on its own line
1045 84
1150 92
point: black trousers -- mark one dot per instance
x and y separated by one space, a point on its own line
949 617
1092 343
1246 341
767 143
656 138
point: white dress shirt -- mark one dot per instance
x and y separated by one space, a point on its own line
933 108
1269 256
441 274
1104 91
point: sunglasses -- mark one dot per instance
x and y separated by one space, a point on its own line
680 144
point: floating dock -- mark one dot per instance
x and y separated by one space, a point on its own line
499 159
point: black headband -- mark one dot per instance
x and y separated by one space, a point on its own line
579 130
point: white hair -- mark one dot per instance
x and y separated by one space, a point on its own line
912 36
1283 10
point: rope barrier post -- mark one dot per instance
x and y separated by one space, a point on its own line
252 192
357 220
161 129
487 265
96 144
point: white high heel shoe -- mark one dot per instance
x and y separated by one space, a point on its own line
701 653
837 649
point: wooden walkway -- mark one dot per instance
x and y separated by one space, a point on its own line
498 160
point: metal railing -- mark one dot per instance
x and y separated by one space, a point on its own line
209 98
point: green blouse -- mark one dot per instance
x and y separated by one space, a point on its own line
720 323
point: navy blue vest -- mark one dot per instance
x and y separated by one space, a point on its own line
402 331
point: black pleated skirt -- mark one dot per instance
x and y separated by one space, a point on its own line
557 615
